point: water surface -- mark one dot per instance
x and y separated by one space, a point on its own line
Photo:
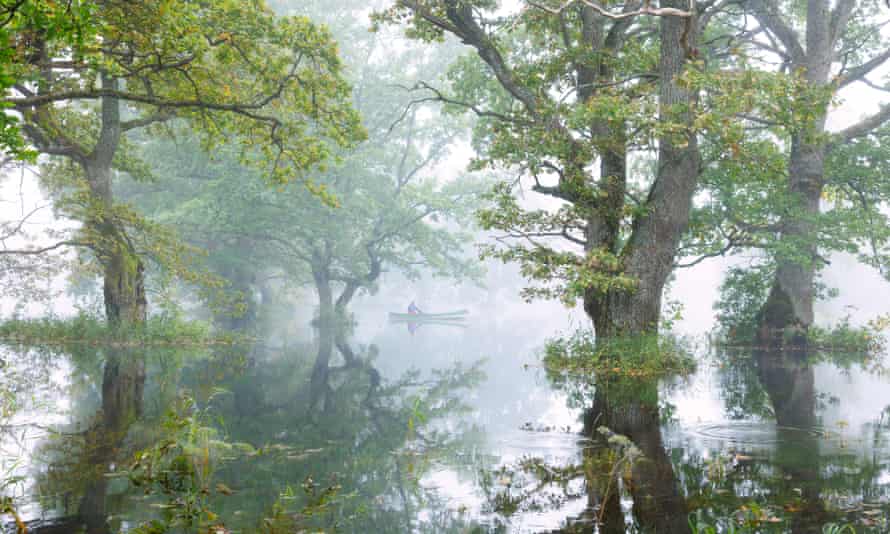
438 428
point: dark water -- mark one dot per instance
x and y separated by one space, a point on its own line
451 428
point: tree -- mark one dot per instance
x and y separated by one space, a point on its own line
577 92
388 209
227 69
20 22
814 191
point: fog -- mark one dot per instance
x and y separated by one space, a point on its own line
333 266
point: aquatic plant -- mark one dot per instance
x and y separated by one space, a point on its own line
640 356
728 525
742 294
181 467
7 503
836 528
158 330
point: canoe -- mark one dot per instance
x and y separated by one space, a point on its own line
459 314
433 322
443 320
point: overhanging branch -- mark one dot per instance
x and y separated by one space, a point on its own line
646 9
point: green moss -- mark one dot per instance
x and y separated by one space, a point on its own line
639 356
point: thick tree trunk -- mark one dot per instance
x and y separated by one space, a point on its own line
124 285
124 273
650 252
620 314
791 297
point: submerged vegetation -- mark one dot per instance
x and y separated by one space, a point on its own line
162 330
649 356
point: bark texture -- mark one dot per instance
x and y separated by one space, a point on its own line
123 270
124 282
791 297
650 253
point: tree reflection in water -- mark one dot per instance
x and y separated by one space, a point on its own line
791 476
630 408
324 444
329 442
74 485
789 381
122 388
798 477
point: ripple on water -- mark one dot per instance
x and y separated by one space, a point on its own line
754 433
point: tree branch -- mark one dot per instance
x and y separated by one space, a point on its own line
863 127
767 13
840 16
647 9
141 122
861 71
43 250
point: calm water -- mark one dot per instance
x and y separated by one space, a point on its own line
451 428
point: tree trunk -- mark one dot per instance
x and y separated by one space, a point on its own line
325 294
791 298
345 298
124 284
650 252
124 273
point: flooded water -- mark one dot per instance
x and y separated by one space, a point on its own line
453 426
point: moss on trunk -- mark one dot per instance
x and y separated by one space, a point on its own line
124 285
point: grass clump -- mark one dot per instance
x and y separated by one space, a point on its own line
163 330
845 337
641 356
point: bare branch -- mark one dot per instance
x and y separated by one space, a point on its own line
857 73
767 12
21 222
863 127
43 250
440 97
647 9
875 86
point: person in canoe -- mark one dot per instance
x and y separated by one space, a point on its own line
413 309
